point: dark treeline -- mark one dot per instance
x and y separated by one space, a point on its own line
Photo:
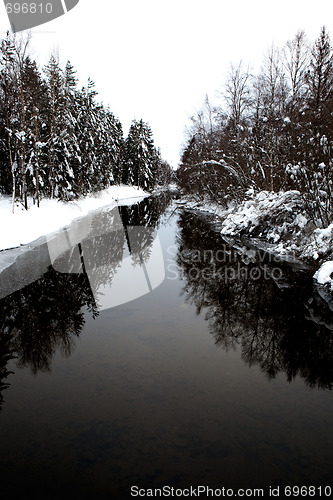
274 132
57 141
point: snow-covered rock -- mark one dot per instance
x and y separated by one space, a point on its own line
277 220
324 275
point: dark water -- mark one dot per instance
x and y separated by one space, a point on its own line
219 376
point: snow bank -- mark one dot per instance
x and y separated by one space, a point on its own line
23 226
324 274
278 220
8 258
255 213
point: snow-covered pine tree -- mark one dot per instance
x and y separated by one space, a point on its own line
140 156
63 150
320 94
55 82
86 131
36 139
72 156
100 139
164 171
109 142
320 74
58 141
8 116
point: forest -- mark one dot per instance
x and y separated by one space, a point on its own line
273 132
58 141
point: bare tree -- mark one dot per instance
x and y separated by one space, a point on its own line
237 93
202 122
8 86
273 83
296 61
21 48
13 52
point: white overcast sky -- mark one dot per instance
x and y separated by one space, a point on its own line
156 59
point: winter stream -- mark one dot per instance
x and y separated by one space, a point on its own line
138 350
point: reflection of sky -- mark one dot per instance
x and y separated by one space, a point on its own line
119 281
131 281
98 245
91 226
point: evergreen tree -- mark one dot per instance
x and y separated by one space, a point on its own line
64 155
140 156
319 113
8 115
36 138
56 140
320 75
55 82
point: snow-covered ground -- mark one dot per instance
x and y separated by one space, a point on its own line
278 222
23 226
324 274
278 219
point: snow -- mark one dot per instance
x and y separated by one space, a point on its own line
301 220
23 226
9 257
324 274
276 221
248 215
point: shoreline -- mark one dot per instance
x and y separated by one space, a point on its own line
25 227
274 226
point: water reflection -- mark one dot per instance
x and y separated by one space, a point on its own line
41 318
46 314
120 261
7 353
271 313
116 248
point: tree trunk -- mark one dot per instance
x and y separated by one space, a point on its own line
12 170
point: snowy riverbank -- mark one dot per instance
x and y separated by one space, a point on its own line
23 226
275 223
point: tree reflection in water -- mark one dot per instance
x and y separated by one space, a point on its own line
272 314
44 316
7 353
48 314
